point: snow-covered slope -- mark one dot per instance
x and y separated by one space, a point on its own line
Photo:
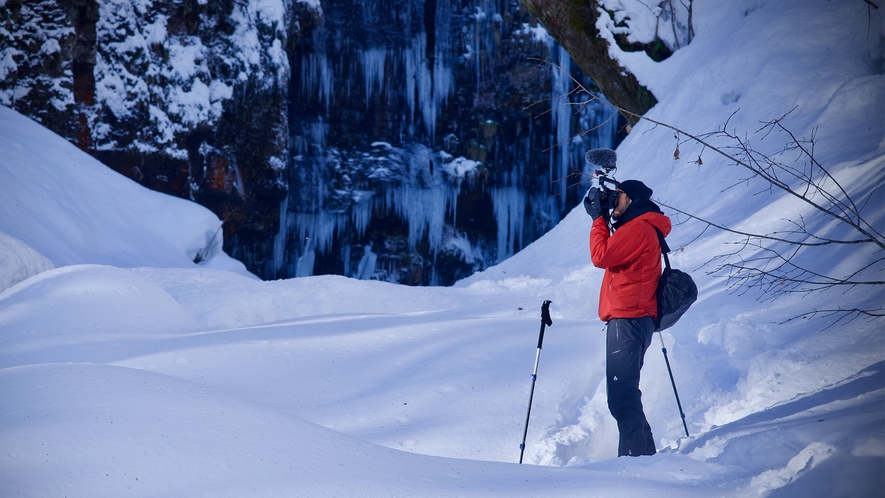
72 209
171 379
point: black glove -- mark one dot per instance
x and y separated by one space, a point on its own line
592 203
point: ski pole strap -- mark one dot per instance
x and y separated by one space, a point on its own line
545 320
545 313
664 247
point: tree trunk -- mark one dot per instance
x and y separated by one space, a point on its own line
572 23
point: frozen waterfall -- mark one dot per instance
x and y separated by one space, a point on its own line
416 158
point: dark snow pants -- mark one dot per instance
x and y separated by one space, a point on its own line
627 339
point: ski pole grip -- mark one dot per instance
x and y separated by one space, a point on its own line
545 320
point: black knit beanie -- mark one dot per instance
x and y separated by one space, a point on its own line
635 190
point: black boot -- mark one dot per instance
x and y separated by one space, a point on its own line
637 444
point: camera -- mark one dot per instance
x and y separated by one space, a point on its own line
608 197
606 161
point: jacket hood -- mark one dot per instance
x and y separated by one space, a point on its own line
637 208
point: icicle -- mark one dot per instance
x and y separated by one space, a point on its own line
443 85
279 241
345 258
509 207
561 116
372 61
425 199
318 131
423 209
361 211
316 78
304 265
366 267
319 229
432 87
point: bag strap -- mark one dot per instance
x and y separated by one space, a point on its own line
664 247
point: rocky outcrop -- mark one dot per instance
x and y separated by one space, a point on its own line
573 24
188 98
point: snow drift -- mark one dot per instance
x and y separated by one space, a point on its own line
71 209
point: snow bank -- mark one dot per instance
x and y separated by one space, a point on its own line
19 262
72 209
66 312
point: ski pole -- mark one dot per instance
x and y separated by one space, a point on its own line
545 320
673 382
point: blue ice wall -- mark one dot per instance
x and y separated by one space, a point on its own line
429 140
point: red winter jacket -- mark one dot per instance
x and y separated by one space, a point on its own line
632 261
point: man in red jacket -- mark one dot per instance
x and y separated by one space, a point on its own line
631 257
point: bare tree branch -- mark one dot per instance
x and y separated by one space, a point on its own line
821 241
845 315
773 262
767 173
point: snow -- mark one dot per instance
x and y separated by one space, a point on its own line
537 33
458 167
19 262
182 82
71 209
127 369
642 21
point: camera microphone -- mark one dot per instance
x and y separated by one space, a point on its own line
606 159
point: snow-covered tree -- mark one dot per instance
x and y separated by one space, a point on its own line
36 75
168 68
